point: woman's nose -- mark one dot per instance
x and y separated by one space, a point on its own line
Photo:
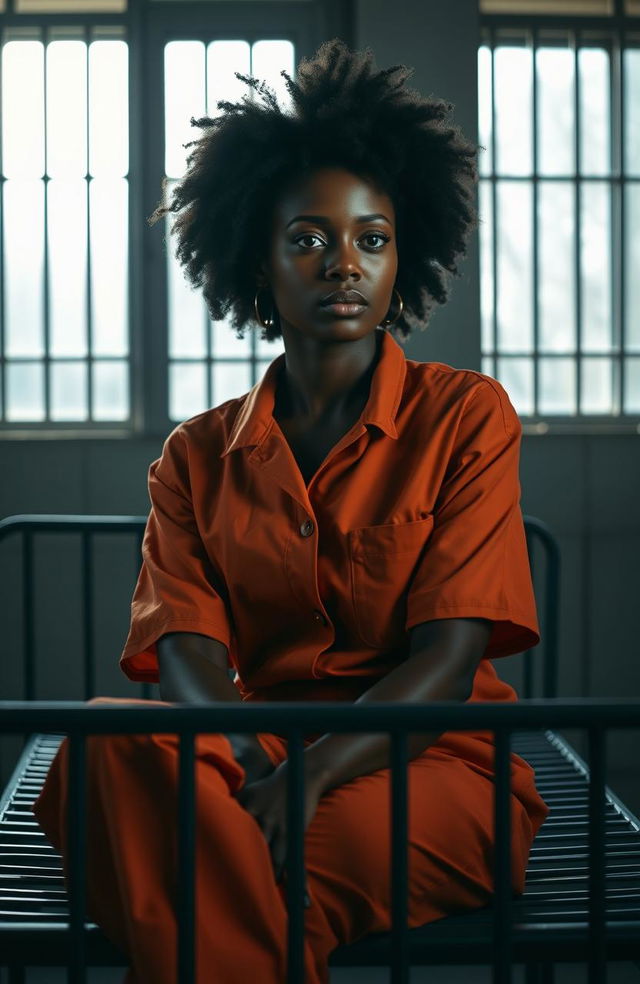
343 262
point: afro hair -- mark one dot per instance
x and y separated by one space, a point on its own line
347 114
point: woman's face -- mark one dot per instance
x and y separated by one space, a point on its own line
332 230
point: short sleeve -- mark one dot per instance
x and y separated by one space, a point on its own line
178 587
475 563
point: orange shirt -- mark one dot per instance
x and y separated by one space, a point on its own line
414 515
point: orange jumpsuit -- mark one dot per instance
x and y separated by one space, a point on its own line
413 515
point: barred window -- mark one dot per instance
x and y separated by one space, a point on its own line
64 225
87 344
100 332
559 201
207 363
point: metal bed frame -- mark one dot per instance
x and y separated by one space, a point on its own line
582 893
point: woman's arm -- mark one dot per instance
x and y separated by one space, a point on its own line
193 670
441 666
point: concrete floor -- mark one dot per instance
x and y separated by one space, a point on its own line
617 973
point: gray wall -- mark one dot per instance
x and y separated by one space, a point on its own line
584 487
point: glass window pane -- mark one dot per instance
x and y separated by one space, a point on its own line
485 162
67 217
595 259
261 368
225 342
516 375
595 144
108 109
66 109
557 386
23 109
631 82
223 59
631 266
515 266
185 306
23 267
228 380
632 385
69 391
268 59
556 266
109 201
268 350
184 97
110 391
486 264
513 95
556 117
187 389
597 386
25 391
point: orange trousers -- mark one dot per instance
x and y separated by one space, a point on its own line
241 916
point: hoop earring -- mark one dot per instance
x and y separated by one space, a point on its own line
271 321
392 321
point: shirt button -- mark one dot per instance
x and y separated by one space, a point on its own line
307 527
319 617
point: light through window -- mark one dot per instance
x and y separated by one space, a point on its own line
208 364
65 339
559 201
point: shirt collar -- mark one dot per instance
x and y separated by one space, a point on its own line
255 418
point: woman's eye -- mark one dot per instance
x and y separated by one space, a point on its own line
377 235
307 235
369 235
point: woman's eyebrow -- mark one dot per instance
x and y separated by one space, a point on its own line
325 218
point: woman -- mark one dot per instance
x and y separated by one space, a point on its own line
349 529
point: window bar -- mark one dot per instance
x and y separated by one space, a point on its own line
87 615
253 345
619 190
3 364
77 855
597 875
28 617
186 860
613 186
494 205
208 325
46 179
88 180
534 223
502 928
294 873
136 48
400 967
575 37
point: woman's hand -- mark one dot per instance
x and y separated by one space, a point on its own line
250 754
266 801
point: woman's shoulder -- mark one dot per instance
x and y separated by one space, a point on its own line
441 389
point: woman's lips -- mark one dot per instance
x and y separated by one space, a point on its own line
342 310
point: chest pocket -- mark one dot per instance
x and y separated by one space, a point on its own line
383 560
